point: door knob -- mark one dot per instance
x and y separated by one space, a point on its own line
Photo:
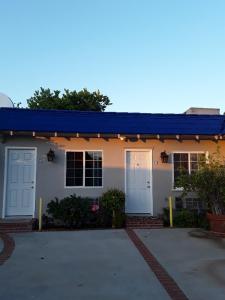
148 186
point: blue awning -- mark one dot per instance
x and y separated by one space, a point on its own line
17 119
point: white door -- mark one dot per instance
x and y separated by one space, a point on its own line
138 182
20 182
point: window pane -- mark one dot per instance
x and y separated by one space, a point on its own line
78 164
89 155
70 173
70 164
78 155
93 168
180 166
197 159
78 181
194 166
97 181
184 166
194 157
177 166
97 164
89 164
201 158
184 157
78 172
70 182
89 181
98 173
178 203
176 177
70 156
98 156
176 157
74 168
89 172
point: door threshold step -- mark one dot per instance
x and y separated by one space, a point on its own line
16 225
17 220
146 222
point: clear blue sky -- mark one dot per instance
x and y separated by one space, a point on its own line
146 55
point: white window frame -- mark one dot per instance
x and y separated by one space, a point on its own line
82 186
189 164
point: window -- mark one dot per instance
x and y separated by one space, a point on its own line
189 204
84 168
186 163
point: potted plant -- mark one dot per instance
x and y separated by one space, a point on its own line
208 183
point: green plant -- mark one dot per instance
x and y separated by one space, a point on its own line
113 202
208 183
186 218
72 211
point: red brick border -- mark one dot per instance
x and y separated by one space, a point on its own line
8 247
164 278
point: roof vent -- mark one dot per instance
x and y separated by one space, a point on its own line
5 101
202 111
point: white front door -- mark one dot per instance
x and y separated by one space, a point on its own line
138 182
20 182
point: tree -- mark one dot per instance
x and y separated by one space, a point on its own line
208 183
71 100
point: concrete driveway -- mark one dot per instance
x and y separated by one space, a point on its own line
100 264
196 264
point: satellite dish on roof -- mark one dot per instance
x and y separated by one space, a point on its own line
5 101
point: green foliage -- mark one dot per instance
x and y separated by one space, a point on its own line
113 201
208 183
186 218
71 100
76 212
72 211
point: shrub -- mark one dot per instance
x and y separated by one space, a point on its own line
72 211
186 218
77 212
208 183
113 203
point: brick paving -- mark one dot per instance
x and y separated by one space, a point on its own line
8 247
164 278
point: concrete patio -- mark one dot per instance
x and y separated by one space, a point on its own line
196 264
100 264
105 264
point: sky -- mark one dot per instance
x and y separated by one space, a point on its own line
145 55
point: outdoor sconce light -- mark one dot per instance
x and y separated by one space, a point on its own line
164 157
51 155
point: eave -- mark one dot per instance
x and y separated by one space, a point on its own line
121 136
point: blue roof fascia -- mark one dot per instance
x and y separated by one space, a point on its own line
65 121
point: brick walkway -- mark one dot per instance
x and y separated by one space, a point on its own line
165 279
8 247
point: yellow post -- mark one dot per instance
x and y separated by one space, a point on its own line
40 215
113 219
171 211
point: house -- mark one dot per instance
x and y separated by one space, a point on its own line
49 153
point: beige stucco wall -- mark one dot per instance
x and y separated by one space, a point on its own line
50 176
